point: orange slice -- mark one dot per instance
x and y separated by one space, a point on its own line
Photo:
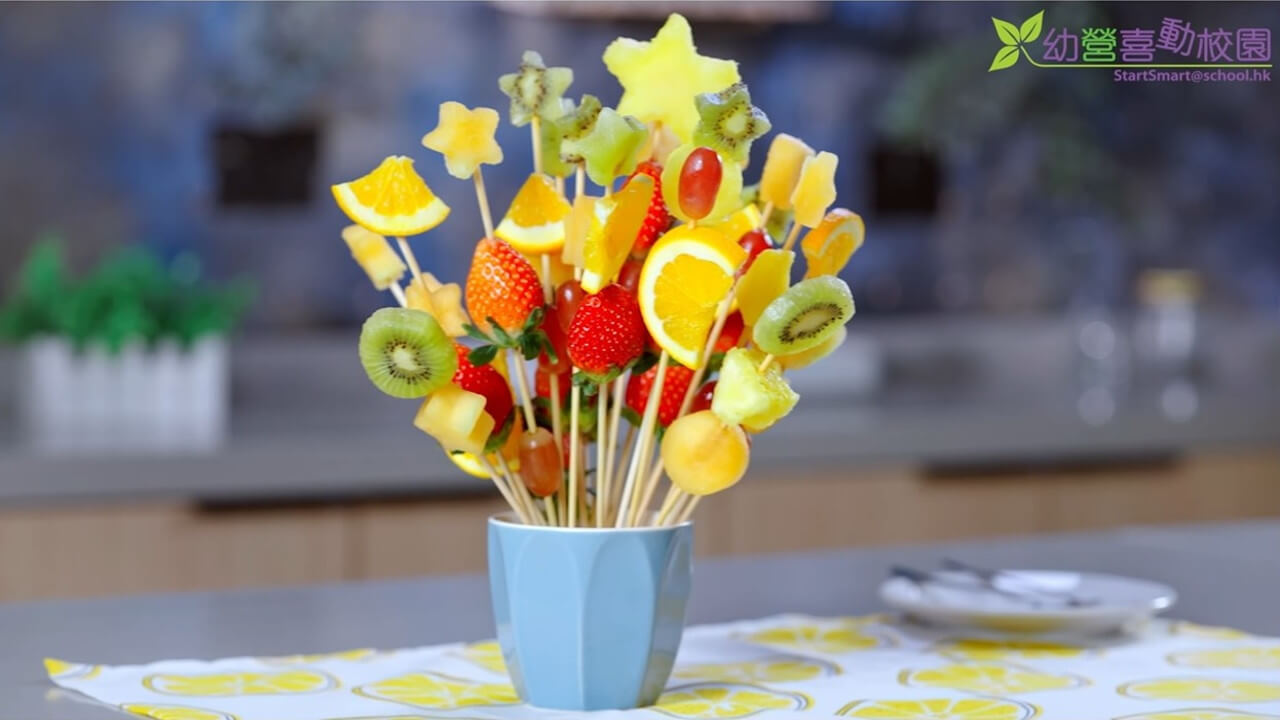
391 200
828 247
688 273
535 221
604 252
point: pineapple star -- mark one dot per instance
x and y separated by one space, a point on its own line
465 138
661 77
535 89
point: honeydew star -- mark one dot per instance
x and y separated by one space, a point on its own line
465 138
661 77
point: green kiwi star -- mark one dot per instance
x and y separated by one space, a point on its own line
609 148
728 122
535 89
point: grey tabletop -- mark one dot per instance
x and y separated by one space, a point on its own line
1225 574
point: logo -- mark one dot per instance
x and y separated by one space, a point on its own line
1175 44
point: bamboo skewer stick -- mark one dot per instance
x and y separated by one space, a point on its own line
642 445
550 502
579 180
689 507
668 506
602 448
515 366
535 134
575 401
520 490
764 215
605 483
398 293
791 236
619 474
504 490
410 258
482 198
764 364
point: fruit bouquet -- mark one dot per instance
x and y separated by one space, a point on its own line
663 302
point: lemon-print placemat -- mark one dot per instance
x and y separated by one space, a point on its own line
784 666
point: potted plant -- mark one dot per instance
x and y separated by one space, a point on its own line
131 356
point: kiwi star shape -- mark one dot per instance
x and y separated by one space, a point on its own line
465 138
728 123
535 89
661 77
609 149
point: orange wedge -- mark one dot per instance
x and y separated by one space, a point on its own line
604 252
392 200
688 273
828 247
535 221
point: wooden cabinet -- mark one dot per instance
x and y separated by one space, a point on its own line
157 546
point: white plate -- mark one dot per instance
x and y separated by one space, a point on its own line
1122 602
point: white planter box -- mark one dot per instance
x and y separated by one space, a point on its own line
160 399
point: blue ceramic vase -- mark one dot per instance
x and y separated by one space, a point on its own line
589 619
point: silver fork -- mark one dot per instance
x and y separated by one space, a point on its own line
988 578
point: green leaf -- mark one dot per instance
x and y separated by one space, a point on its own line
482 355
1030 29
1006 31
475 333
504 338
632 416
1004 58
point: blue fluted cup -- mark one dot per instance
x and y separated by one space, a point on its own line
589 619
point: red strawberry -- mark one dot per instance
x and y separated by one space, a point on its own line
658 219
501 285
542 384
730 334
674 386
607 332
487 381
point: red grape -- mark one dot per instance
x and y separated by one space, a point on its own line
731 334
629 275
568 297
702 401
540 466
699 182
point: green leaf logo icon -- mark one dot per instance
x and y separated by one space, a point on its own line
1013 38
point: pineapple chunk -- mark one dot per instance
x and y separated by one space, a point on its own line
374 255
442 302
456 418
750 398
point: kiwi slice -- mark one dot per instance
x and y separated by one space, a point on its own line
805 358
405 352
728 122
575 124
806 315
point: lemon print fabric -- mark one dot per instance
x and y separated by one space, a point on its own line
941 709
63 670
240 683
838 638
728 701
175 712
1006 649
989 679
437 691
346 655
1200 714
768 670
487 655
1257 658
1203 689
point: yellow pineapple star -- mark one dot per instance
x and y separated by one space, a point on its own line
465 138
661 77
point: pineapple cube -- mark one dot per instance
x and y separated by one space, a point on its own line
443 302
374 255
750 398
456 418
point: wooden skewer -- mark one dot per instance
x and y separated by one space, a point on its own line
552 517
412 260
642 450
791 236
502 488
764 364
615 483
602 448
579 180
615 419
668 506
764 215
521 490
575 401
560 185
535 132
398 293
515 366
483 199
689 507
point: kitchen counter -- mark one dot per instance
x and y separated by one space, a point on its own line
1225 575
942 392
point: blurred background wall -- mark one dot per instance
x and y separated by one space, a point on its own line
218 127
